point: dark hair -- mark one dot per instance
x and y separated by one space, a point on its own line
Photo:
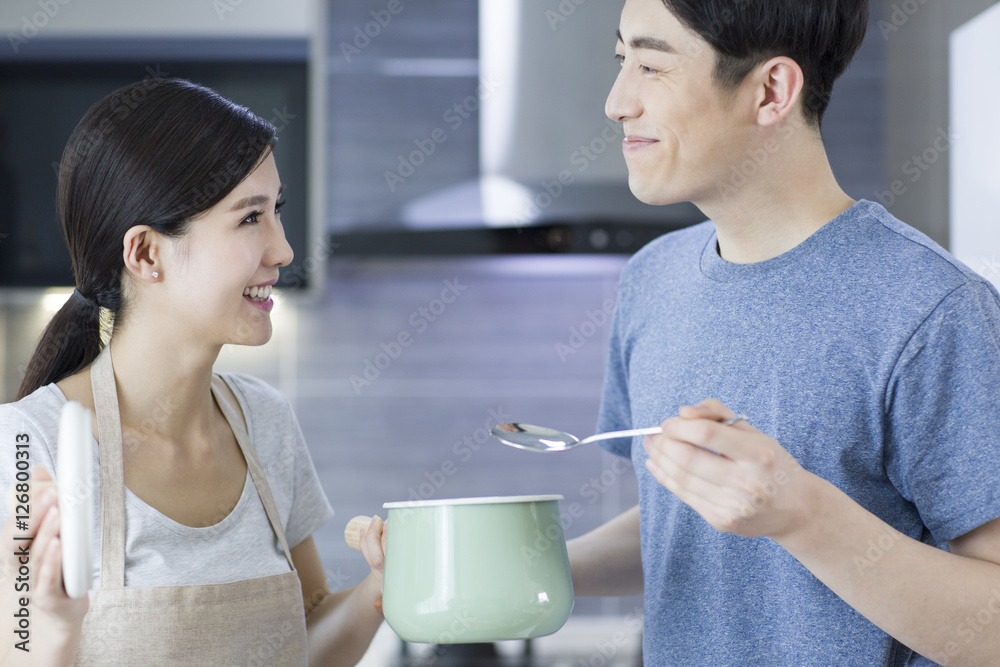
157 152
822 36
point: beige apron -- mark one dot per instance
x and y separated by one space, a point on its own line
251 622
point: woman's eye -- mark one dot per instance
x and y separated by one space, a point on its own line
252 218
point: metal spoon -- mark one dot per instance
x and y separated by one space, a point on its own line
541 439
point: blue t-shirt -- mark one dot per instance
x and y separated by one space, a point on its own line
871 355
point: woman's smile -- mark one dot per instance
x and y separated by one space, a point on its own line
260 296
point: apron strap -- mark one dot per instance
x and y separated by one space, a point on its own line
109 433
109 437
238 425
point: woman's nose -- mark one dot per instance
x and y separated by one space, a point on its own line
280 253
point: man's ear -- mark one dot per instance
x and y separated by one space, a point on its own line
779 82
141 253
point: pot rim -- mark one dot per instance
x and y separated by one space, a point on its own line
487 500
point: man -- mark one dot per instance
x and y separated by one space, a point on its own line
865 358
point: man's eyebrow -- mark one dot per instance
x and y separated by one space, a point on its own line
646 42
256 200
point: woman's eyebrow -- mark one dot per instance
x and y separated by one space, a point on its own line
256 200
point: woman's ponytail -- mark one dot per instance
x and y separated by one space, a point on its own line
71 341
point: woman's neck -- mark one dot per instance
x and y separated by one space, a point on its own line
164 387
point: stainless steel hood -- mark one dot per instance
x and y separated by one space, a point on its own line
548 154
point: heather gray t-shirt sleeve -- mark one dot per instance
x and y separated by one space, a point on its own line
943 406
32 423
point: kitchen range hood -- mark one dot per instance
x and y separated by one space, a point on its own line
547 153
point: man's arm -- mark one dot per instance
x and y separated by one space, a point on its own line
945 606
607 561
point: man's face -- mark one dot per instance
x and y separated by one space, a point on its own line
682 132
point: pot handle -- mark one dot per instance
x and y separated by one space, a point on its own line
352 533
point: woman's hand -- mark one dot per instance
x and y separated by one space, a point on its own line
54 616
370 540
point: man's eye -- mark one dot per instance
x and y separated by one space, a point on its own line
620 58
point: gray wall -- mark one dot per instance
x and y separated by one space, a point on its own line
916 33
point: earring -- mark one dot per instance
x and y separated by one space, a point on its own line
156 274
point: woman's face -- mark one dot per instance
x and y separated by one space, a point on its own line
222 269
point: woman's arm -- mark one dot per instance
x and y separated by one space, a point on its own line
608 559
54 620
340 625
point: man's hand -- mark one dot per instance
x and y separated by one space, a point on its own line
738 479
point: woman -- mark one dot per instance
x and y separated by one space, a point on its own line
170 199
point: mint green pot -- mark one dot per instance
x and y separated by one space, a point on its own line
471 570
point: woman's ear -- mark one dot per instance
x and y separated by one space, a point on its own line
780 82
141 253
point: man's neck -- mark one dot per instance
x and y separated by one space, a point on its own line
779 208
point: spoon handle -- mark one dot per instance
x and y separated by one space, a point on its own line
652 430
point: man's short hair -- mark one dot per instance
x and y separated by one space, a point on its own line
822 36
